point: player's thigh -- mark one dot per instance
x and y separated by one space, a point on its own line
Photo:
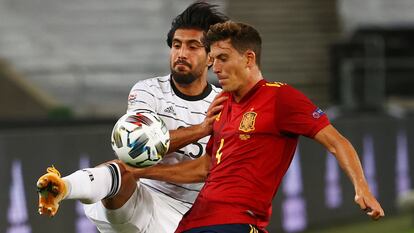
128 186
149 211
167 213
225 228
137 211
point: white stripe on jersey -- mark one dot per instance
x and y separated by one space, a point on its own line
157 95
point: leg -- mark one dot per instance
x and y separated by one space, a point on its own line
146 211
128 186
110 182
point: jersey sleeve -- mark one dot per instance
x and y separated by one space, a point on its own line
141 99
297 114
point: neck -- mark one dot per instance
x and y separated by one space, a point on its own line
247 86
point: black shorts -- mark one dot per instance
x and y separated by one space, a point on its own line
226 228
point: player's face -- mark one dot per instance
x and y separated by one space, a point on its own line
229 66
188 57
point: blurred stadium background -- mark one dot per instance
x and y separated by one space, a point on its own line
66 68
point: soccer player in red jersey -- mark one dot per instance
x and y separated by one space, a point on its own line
253 142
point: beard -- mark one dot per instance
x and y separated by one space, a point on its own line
182 78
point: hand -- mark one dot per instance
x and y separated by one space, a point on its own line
125 168
122 166
368 203
213 111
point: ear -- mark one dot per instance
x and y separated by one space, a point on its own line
210 60
251 58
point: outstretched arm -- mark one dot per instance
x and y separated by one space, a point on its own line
191 171
186 135
348 160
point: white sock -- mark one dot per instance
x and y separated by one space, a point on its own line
91 185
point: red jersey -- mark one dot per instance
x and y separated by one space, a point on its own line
251 148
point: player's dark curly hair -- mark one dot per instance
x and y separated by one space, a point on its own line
242 37
199 15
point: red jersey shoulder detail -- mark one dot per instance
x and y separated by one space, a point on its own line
274 84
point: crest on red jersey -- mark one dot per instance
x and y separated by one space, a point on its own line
248 121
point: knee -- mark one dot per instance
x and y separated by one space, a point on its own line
128 187
124 213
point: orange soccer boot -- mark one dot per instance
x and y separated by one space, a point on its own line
51 189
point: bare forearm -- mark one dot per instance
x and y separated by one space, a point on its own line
345 154
349 161
186 135
192 171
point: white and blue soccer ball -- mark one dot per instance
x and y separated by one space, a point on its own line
140 139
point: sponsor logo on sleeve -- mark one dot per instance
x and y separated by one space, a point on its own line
132 97
317 113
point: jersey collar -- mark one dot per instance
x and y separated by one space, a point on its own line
183 96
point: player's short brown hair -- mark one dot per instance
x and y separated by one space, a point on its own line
242 37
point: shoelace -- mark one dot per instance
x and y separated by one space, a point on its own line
52 169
